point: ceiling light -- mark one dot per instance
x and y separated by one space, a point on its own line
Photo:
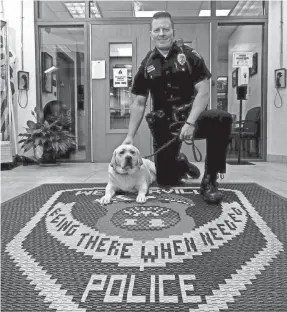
218 12
145 13
222 12
76 9
204 13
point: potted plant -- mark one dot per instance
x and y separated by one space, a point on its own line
49 140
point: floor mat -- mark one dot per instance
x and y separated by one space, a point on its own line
63 251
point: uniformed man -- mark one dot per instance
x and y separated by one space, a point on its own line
175 74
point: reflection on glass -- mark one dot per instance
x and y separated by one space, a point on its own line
239 8
94 10
241 38
4 84
120 84
59 10
222 93
62 80
139 9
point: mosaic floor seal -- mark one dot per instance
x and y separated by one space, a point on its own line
173 253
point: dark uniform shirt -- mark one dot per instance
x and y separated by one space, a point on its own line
169 82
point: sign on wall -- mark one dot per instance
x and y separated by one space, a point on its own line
120 77
242 59
98 69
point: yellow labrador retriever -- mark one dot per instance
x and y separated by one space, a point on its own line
129 172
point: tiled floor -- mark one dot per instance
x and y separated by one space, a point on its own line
272 176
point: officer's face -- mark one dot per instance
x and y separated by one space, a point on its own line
162 33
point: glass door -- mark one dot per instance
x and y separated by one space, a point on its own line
120 49
62 83
241 38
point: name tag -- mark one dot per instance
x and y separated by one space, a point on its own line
150 68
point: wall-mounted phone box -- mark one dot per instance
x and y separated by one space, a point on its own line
280 78
23 80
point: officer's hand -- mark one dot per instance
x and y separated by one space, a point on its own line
186 132
128 140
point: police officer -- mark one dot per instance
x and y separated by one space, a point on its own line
175 75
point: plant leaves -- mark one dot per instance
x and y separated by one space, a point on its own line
37 142
53 136
39 152
37 131
29 130
21 141
28 146
31 124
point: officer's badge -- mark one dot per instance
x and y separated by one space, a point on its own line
181 58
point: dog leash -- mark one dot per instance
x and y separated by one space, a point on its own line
176 136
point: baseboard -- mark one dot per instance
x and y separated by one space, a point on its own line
277 158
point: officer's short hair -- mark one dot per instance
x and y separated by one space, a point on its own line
162 14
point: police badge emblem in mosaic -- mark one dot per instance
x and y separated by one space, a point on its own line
154 254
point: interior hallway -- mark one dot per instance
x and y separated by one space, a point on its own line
272 176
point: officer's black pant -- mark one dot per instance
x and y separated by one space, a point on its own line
212 125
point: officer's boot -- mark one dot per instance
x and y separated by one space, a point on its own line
209 189
189 168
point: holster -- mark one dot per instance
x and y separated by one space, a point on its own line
159 123
181 113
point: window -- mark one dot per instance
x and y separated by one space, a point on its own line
120 84
61 10
110 9
62 79
239 8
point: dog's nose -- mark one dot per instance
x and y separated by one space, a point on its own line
128 158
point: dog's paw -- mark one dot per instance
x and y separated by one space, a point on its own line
141 198
105 200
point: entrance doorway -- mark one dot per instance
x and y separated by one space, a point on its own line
241 38
122 47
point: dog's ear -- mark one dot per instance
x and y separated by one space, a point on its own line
140 160
114 160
